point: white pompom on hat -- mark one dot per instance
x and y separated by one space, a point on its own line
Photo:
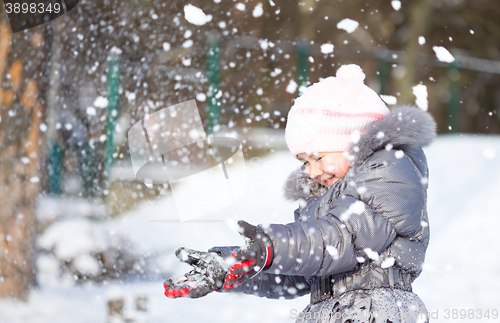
323 118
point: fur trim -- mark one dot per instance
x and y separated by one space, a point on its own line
299 185
402 126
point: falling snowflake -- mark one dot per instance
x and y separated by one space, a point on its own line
348 25
201 97
258 11
443 54
420 92
195 15
101 102
291 87
327 48
396 4
389 99
389 262
333 252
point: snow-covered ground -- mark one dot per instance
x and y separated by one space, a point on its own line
462 270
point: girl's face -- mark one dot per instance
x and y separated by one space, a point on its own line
325 168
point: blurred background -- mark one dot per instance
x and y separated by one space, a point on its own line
75 224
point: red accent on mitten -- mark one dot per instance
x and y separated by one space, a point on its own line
171 292
175 293
242 264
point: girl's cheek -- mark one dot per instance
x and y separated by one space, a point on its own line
329 166
343 171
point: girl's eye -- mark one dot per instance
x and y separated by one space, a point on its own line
318 159
306 162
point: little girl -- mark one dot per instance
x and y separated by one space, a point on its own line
361 229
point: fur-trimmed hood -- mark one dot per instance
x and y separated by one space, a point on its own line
402 126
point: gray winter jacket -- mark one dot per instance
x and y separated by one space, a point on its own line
369 229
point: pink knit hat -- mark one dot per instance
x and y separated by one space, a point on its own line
323 118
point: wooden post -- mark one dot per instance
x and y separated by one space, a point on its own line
22 108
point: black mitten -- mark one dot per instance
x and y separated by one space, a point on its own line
252 259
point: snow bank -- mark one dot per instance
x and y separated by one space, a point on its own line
461 269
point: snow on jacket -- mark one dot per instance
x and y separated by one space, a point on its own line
367 225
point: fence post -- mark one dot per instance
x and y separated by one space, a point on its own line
112 111
55 167
383 70
302 49
213 76
454 97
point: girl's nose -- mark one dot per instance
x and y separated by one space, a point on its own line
314 170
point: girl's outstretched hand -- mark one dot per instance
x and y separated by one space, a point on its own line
252 259
207 275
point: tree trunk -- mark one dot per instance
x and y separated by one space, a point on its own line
419 25
24 58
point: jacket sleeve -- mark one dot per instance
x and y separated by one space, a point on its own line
266 284
382 200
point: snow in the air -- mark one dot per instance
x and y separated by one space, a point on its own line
188 43
240 6
357 207
277 71
399 154
421 40
327 48
388 262
201 97
91 111
355 136
101 102
389 99
420 92
292 86
443 54
116 51
258 10
130 95
372 254
195 15
396 4
264 44
333 252
348 25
